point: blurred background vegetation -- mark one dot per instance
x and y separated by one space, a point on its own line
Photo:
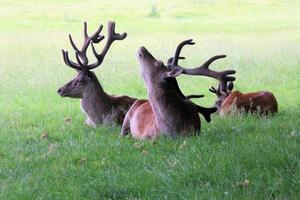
261 39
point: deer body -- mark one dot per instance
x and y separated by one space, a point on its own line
110 110
262 102
165 104
140 121
145 120
98 106
167 111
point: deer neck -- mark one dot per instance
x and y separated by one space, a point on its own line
166 105
95 102
95 90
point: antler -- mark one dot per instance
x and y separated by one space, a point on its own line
203 70
81 57
214 90
219 92
112 36
193 96
173 61
96 38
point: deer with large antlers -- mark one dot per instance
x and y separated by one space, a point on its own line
167 111
98 106
262 102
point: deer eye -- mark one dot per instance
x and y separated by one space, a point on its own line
79 82
159 63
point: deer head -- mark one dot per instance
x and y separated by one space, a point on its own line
156 74
154 71
86 80
221 93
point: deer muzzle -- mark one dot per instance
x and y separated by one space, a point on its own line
142 52
61 92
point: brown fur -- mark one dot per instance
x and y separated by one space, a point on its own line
140 121
98 106
166 112
262 102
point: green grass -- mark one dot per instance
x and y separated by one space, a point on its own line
262 42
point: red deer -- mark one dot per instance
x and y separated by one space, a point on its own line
166 111
262 102
98 106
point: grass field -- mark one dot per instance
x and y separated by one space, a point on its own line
241 157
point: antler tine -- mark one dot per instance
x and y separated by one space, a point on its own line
98 57
211 60
223 76
85 34
112 36
79 61
68 61
213 90
193 96
170 61
81 57
72 43
204 70
86 67
96 38
173 61
179 48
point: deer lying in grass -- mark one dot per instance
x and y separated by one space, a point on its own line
98 106
167 112
262 102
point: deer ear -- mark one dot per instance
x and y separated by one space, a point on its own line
230 86
175 72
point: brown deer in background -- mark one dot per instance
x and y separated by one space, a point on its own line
167 112
262 102
98 106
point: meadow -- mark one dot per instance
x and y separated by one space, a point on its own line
47 151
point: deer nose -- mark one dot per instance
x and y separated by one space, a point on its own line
59 90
